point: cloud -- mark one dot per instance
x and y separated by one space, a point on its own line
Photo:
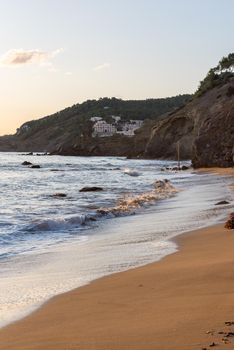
102 66
19 57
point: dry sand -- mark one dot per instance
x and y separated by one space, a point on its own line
171 304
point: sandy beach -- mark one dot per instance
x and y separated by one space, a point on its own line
181 302
117 175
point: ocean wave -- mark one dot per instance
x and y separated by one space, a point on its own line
59 224
126 205
131 172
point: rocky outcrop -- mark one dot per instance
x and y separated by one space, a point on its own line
59 195
91 189
204 129
8 144
214 142
230 222
167 133
26 163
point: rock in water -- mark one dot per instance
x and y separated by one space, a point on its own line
184 167
230 222
35 167
26 163
91 189
222 203
59 195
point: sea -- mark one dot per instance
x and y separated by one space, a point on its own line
50 244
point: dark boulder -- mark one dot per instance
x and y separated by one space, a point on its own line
35 167
230 222
184 167
26 163
59 195
222 203
91 189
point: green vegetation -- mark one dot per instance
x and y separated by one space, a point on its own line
75 120
217 75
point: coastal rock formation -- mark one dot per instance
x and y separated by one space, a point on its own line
230 222
166 134
26 163
91 189
204 129
8 143
214 142
59 195
222 203
35 166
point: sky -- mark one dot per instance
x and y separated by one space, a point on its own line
54 54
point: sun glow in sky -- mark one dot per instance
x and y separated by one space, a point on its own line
54 54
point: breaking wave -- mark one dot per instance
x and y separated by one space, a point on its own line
125 206
59 224
131 172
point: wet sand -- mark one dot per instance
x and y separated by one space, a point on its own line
216 170
181 302
219 171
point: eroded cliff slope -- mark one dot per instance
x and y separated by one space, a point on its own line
204 129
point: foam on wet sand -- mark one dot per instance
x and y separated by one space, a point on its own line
181 302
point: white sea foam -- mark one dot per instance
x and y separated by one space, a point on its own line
57 224
131 172
162 189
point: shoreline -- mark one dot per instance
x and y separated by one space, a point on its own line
181 242
122 310
216 170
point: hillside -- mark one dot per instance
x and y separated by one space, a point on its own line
202 125
72 126
204 128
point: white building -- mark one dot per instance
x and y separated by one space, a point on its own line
116 118
103 129
95 119
128 129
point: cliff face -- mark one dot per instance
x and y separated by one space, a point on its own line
166 134
8 144
214 141
204 129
